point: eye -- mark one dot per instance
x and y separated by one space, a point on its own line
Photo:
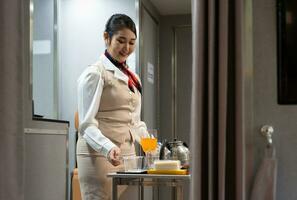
132 43
121 41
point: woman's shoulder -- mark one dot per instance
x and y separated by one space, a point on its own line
97 67
92 71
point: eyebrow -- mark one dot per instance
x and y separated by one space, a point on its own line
122 37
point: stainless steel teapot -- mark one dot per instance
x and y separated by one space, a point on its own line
175 150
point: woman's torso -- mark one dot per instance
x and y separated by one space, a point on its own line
119 110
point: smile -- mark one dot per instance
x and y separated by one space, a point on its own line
123 54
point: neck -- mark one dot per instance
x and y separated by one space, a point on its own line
113 60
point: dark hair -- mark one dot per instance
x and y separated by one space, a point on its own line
117 22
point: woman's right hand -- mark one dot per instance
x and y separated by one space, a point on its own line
114 156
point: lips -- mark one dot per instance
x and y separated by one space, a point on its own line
123 54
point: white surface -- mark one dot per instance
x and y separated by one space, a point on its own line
172 7
41 47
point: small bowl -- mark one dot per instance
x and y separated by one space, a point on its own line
134 163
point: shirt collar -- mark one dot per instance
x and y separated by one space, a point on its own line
111 67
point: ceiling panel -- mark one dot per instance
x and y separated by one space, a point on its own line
172 7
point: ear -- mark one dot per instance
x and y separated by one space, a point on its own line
106 38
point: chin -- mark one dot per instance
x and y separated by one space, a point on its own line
122 59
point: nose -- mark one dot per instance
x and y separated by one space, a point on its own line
126 47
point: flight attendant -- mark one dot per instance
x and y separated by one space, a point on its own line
109 105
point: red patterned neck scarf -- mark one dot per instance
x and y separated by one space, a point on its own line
132 81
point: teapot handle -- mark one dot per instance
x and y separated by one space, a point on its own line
162 150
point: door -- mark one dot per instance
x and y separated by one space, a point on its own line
266 110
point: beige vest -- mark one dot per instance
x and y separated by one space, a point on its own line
119 110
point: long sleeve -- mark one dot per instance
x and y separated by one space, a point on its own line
90 86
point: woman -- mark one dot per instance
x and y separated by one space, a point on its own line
109 104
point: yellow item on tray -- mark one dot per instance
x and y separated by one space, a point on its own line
170 172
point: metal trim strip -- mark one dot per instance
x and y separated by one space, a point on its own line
39 131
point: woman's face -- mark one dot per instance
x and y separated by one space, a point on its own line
121 45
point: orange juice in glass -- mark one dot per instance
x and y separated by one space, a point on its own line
148 144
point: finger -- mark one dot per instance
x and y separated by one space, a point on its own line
116 158
117 153
115 162
111 155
